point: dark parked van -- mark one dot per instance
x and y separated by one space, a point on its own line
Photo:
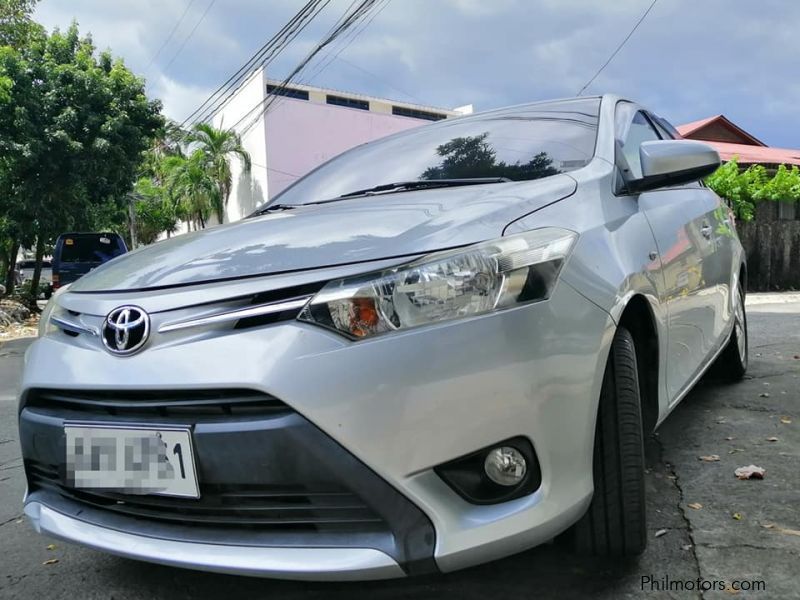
76 254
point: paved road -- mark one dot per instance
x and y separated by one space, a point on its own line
726 539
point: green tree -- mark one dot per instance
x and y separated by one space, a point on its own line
474 156
728 183
72 135
153 212
744 188
218 147
16 25
192 190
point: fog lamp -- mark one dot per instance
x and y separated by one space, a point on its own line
505 466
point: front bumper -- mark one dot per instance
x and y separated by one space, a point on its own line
400 404
332 564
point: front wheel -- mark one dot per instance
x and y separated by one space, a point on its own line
615 524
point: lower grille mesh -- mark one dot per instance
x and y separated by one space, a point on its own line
266 507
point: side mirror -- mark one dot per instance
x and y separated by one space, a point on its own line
672 162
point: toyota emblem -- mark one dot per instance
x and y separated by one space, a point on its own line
125 330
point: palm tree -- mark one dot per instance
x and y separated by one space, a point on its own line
192 189
218 147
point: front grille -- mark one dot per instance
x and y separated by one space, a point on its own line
285 508
191 404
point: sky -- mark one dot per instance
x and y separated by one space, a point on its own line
688 60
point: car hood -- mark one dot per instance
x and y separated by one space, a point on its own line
325 235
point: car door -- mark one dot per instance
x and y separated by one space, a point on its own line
720 265
682 219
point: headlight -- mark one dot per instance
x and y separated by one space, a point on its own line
448 285
44 318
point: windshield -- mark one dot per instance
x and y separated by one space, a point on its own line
91 248
520 143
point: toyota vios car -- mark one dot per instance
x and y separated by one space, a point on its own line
435 350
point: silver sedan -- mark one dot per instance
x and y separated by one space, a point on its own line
435 350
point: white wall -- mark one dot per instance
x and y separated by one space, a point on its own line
249 190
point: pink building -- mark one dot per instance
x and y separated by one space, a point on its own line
303 127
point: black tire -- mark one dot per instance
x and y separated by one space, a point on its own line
732 362
615 524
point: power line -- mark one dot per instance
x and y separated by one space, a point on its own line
610 58
169 36
261 58
351 19
347 40
379 78
295 175
188 37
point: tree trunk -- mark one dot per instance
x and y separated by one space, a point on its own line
37 272
132 221
11 281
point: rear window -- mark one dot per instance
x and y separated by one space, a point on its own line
93 249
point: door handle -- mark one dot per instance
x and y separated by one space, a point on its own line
706 231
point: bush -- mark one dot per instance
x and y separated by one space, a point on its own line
743 188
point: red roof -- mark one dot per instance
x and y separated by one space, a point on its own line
694 130
752 151
756 154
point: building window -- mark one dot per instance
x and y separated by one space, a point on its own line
288 92
402 111
348 102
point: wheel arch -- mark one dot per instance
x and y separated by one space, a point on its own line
638 318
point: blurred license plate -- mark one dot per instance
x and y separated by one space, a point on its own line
131 460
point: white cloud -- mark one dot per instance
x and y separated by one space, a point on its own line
179 99
689 59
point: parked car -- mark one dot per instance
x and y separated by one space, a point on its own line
27 267
437 349
76 254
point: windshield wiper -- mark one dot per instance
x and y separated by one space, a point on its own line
274 208
420 184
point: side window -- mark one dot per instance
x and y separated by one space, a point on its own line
665 126
639 130
665 135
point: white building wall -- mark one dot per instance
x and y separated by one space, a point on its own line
243 111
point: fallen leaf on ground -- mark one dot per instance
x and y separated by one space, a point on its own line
750 472
661 532
729 439
737 516
729 589
51 546
772 439
695 505
709 458
782 530
786 420
735 450
51 561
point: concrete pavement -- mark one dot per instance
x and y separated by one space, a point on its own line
703 522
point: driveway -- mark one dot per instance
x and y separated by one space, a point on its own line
704 523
